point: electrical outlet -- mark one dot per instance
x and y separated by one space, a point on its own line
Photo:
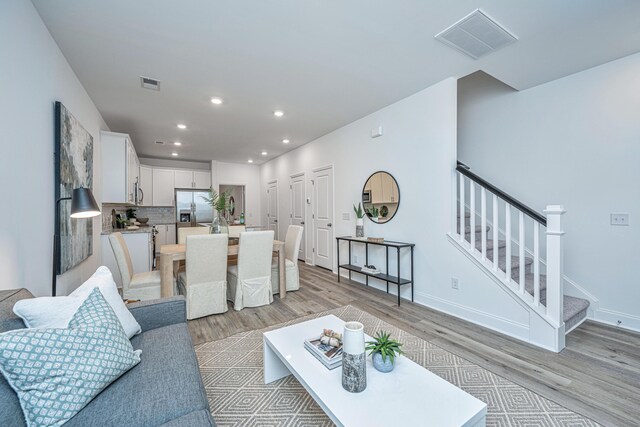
355 259
455 284
619 218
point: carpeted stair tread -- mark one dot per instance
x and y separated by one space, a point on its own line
575 309
515 263
528 283
467 229
501 243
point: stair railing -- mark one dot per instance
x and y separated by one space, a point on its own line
552 222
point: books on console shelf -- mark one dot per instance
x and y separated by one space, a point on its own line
370 270
330 357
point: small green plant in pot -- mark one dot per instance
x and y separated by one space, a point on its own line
219 204
359 220
384 351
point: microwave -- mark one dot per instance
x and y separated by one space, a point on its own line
366 196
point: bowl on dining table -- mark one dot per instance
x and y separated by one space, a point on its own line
143 220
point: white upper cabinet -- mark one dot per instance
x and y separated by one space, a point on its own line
120 168
145 197
163 180
201 180
183 179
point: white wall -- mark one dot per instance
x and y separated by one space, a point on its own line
239 174
34 75
576 142
419 149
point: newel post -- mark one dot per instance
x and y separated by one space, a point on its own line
555 291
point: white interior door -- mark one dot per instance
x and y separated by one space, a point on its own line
298 207
323 217
272 207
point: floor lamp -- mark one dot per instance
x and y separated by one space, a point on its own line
83 205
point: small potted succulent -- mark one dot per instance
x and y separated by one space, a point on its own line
359 220
384 351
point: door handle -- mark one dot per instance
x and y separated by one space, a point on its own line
301 222
275 220
329 225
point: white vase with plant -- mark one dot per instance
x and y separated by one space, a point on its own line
359 220
219 203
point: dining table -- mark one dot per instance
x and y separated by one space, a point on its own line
171 254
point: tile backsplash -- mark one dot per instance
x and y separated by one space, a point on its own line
156 215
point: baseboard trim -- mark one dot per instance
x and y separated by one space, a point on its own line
499 324
611 317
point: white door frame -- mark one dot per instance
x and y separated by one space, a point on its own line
274 182
302 174
333 198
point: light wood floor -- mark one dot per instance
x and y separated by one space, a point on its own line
597 374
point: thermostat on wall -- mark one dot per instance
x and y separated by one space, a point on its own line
376 132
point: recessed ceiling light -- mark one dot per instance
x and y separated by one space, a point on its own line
216 101
182 126
285 141
177 143
174 154
250 161
264 153
278 113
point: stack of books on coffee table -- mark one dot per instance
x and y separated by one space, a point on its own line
330 357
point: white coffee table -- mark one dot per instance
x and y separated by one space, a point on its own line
408 396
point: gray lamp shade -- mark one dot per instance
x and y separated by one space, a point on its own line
83 205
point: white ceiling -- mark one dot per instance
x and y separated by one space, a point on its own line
325 63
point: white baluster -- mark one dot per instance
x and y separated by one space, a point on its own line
555 291
461 221
536 263
472 213
496 241
483 221
521 244
507 230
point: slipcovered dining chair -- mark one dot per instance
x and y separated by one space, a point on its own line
291 248
183 232
204 283
249 282
235 230
138 286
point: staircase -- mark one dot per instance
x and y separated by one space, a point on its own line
502 236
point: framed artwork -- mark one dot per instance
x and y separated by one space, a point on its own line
73 169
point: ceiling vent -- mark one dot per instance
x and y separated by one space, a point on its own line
149 83
160 142
476 35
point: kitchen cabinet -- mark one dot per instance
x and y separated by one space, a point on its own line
202 180
192 179
388 189
140 246
183 179
163 186
120 168
166 235
146 186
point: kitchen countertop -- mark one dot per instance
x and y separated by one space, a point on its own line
147 229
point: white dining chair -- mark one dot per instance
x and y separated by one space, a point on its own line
204 283
291 248
183 232
138 286
235 230
249 282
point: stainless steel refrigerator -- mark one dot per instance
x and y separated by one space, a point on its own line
191 208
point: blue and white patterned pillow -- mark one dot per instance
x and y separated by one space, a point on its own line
56 372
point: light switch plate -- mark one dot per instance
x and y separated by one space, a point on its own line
346 216
619 218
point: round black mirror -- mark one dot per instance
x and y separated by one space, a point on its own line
381 197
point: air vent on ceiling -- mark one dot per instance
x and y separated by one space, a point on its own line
149 83
160 142
476 35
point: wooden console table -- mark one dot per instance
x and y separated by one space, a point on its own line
396 280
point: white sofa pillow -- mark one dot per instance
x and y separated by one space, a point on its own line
56 312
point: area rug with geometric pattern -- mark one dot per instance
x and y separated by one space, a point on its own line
232 374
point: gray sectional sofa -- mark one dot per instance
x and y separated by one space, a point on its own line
165 388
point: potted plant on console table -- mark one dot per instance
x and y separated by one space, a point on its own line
359 220
384 351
